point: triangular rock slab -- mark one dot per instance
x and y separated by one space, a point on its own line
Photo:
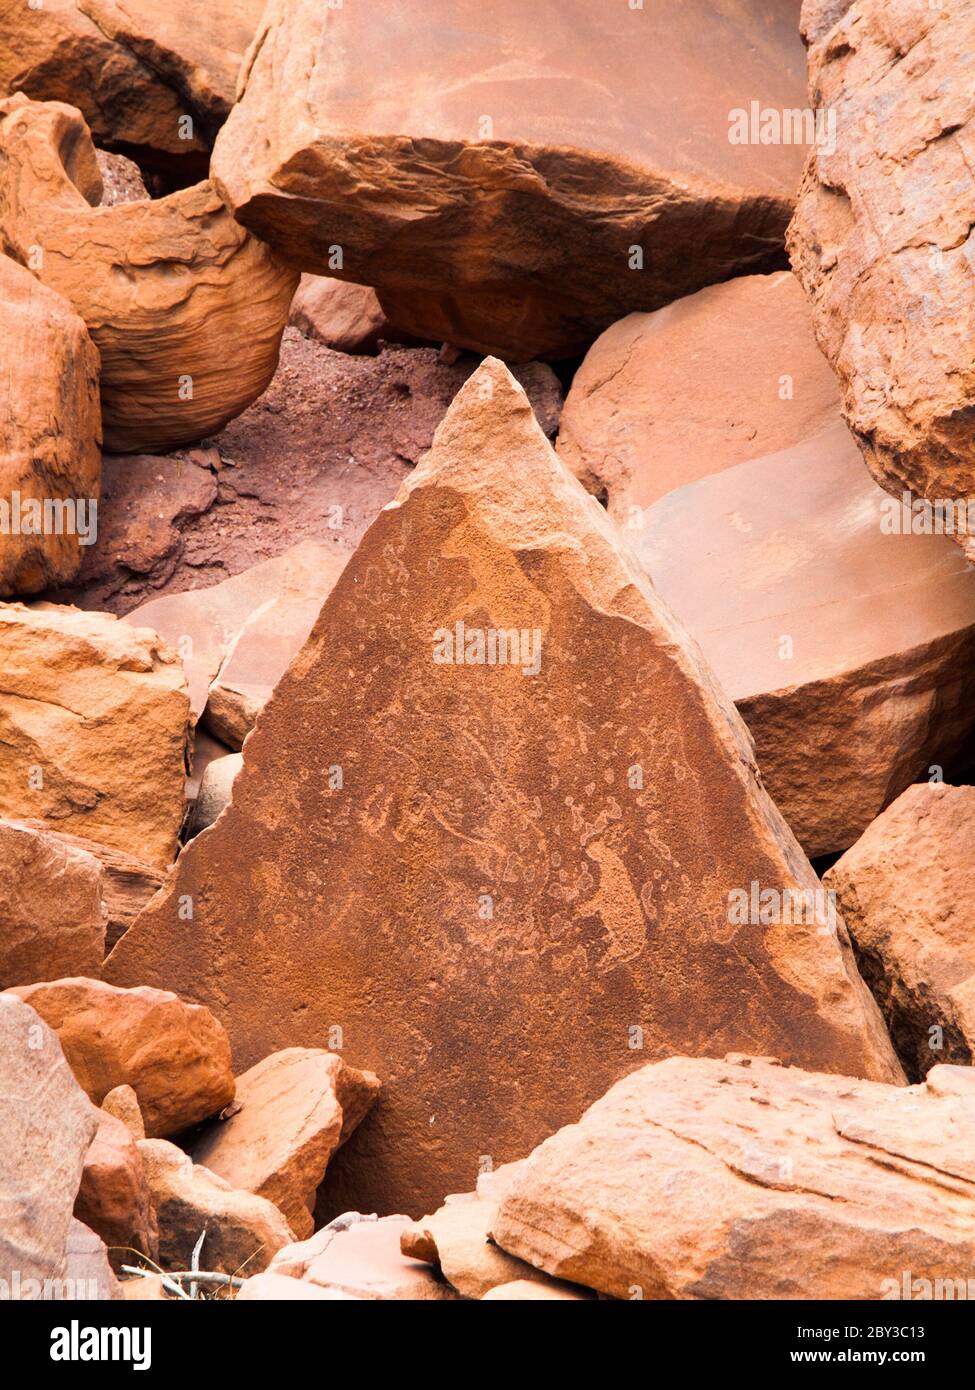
489 912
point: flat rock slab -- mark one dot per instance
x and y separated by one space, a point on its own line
50 435
362 1261
52 918
904 891
580 845
740 1179
175 1056
521 175
712 430
93 729
46 1126
882 235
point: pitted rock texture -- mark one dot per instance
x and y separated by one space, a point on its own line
847 641
185 308
94 723
882 234
52 916
155 80
579 845
904 891
740 1179
521 175
50 435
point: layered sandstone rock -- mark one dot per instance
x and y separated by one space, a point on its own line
185 307
581 845
93 728
149 78
904 890
52 917
50 435
292 1112
243 1231
113 1198
881 237
46 1127
711 429
740 1179
521 176
175 1056
238 638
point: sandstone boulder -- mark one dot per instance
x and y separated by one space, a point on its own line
52 916
291 1113
185 307
363 1259
113 1199
711 428
904 891
214 794
882 238
122 180
46 1126
238 638
531 1291
741 1179
50 435
343 316
521 175
278 1288
148 78
88 1271
582 848
93 729
175 1056
243 1231
123 1103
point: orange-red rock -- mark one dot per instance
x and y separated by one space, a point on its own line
740 1179
711 429
46 1126
477 873
291 1113
520 175
113 1199
52 918
148 78
904 891
175 1056
123 1103
93 729
185 307
50 435
882 235
343 316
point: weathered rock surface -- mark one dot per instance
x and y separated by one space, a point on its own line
113 1199
93 728
87 1269
123 1103
52 918
740 1179
175 1056
846 643
46 1126
581 849
238 638
364 1260
530 1290
277 1288
343 316
344 432
185 308
214 794
50 434
122 180
904 890
882 235
292 1112
522 175
136 69
242 1231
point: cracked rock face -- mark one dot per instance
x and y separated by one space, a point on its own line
882 234
904 890
521 175
138 70
185 308
50 433
739 1179
579 845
